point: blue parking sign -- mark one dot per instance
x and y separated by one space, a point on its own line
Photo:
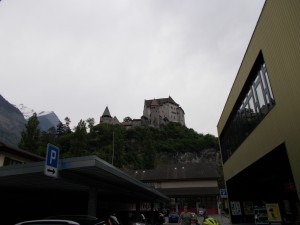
223 193
52 161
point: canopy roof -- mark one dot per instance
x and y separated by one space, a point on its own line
79 174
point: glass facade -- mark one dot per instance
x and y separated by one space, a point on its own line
254 102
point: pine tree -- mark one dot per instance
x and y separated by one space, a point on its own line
60 129
67 125
30 137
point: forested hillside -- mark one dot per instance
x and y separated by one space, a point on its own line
136 148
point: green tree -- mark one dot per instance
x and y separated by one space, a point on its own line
67 125
79 140
47 137
118 146
64 144
149 153
91 123
60 129
30 137
136 147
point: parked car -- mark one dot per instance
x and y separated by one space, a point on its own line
173 217
48 222
81 219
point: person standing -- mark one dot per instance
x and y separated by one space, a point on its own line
185 217
204 212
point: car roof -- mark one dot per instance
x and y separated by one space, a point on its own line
81 219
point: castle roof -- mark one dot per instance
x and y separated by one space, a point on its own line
106 113
160 101
154 103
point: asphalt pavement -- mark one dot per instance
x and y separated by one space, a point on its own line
224 220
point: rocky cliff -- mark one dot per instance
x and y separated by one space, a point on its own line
12 122
207 155
14 118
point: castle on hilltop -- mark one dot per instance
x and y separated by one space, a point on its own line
156 113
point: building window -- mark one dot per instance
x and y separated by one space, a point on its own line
254 102
10 161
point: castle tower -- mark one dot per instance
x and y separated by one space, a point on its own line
154 113
106 117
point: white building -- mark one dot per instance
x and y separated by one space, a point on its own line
161 111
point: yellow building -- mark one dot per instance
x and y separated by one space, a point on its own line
259 128
11 155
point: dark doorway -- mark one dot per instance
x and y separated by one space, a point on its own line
268 180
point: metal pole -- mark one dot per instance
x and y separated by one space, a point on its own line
113 153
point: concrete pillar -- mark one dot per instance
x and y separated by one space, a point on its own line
152 213
138 206
92 202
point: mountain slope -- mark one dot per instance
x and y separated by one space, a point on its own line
14 118
47 119
12 122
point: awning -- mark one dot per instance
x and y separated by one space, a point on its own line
79 174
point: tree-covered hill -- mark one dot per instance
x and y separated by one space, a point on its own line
136 148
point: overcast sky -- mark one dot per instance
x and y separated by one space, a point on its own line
75 57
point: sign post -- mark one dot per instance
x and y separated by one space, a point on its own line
52 159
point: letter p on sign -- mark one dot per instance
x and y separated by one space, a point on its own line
53 158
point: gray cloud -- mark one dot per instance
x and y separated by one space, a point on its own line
77 57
